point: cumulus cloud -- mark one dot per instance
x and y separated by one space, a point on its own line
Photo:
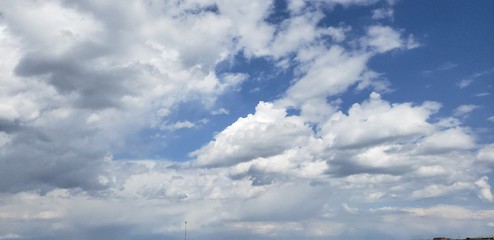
266 133
348 146
365 122
450 139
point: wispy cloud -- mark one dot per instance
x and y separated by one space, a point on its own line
464 83
463 110
220 111
443 67
468 81
491 118
482 94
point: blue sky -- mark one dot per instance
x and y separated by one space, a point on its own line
283 119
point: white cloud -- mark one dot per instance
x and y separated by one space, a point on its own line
317 110
484 189
338 33
7 112
331 71
468 81
437 190
491 118
464 83
365 122
50 25
177 125
220 111
4 138
447 66
447 140
465 109
382 13
266 133
375 81
19 100
254 34
297 32
486 154
431 171
349 2
296 162
385 38
449 211
482 94
11 236
349 209
93 118
295 6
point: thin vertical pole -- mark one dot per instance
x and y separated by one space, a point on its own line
185 232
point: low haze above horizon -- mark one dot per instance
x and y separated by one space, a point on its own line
253 119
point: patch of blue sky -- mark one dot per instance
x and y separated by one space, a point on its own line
279 13
456 39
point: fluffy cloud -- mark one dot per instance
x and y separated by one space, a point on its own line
254 33
327 72
365 123
263 134
101 79
295 33
385 38
484 189
450 139
486 154
349 146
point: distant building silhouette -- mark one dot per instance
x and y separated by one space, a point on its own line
468 238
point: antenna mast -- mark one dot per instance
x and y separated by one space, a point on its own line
185 231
